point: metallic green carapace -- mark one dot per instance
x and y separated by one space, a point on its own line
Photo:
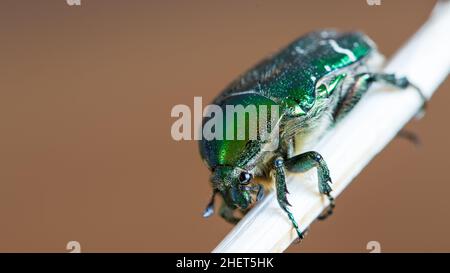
314 81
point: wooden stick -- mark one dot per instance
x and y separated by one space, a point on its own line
352 144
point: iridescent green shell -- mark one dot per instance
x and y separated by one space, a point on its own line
287 79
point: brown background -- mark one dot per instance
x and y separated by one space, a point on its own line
86 152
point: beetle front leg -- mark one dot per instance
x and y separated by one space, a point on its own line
306 161
281 188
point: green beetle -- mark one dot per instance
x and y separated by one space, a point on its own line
314 81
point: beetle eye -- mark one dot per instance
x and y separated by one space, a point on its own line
244 178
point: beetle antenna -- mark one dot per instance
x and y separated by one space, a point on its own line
210 207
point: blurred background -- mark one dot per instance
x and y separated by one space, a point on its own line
86 152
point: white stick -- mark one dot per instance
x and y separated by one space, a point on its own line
349 147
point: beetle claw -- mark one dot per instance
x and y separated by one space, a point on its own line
208 211
210 207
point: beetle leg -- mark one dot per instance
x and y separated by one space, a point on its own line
361 86
353 95
410 136
402 83
329 210
280 180
306 161
227 213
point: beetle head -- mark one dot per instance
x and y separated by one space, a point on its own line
235 187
